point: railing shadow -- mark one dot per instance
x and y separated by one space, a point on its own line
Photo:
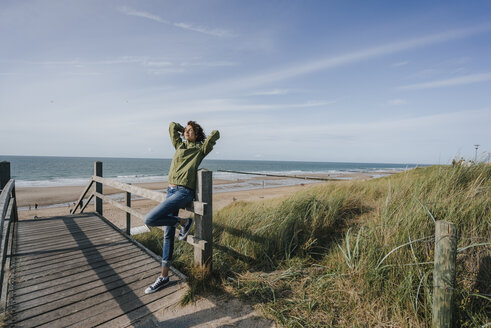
94 259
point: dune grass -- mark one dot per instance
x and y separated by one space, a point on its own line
353 253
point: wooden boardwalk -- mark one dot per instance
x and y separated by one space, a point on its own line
80 271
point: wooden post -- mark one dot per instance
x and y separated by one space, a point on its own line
203 228
4 179
4 173
128 215
98 187
444 273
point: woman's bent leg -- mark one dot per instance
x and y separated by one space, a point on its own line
165 214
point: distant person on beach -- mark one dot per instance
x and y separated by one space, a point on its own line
182 183
36 206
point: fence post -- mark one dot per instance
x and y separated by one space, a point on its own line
444 273
98 187
4 179
128 215
203 228
4 173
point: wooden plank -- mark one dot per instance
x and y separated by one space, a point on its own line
152 305
123 304
125 295
194 207
40 226
67 258
47 230
72 233
35 307
41 285
70 230
87 203
33 258
98 186
34 282
88 282
146 193
6 282
82 196
37 257
66 242
56 267
30 239
127 198
4 241
125 208
196 242
4 198
88 255
59 221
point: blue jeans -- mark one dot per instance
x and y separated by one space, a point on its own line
165 214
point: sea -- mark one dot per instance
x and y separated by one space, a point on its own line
50 171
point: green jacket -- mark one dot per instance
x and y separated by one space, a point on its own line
188 156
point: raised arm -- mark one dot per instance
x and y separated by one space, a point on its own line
210 142
174 129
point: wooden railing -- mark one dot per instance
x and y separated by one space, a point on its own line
201 207
8 212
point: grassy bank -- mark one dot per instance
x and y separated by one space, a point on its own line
318 258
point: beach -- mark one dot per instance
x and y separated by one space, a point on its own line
55 201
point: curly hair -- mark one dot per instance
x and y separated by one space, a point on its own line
198 131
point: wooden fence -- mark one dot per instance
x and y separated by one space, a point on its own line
8 212
201 207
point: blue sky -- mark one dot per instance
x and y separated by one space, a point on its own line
353 81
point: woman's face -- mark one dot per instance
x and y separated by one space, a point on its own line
189 134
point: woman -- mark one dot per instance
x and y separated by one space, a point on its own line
182 182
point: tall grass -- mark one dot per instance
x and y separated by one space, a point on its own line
357 253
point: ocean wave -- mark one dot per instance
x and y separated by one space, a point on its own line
52 182
65 182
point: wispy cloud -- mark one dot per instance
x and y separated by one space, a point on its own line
397 102
399 64
332 62
186 26
382 127
131 12
274 92
209 106
219 105
462 80
206 30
